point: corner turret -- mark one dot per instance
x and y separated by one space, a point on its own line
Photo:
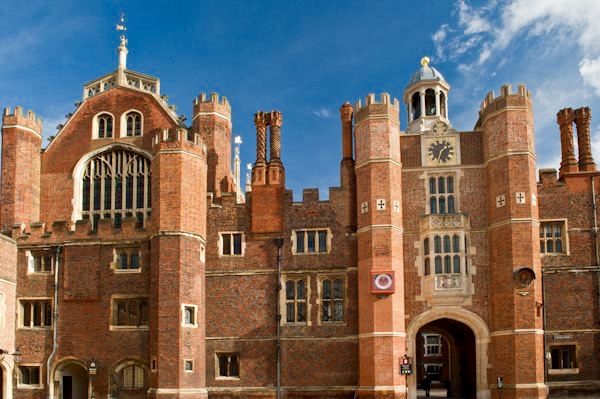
21 156
211 118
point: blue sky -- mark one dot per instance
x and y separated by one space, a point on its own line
305 58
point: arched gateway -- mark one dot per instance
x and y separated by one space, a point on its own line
447 322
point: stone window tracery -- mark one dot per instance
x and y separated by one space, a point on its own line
116 184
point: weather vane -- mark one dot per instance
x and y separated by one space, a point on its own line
121 27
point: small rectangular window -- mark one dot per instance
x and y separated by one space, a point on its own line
563 357
188 365
296 310
231 244
553 237
432 344
332 299
40 261
36 313
29 375
130 312
127 259
228 365
311 241
190 317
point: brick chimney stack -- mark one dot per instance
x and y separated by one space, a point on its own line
568 163
582 118
268 176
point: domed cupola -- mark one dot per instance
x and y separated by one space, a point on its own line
426 98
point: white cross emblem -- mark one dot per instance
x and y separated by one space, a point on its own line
520 197
396 206
364 207
380 204
500 201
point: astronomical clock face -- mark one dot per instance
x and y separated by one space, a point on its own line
440 151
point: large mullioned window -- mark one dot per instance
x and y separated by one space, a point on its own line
443 254
116 184
441 194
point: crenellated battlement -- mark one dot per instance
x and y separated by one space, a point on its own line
61 231
203 101
179 137
505 91
384 99
19 118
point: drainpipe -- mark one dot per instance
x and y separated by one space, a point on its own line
279 244
56 250
544 327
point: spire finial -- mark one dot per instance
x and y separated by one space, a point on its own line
425 61
123 44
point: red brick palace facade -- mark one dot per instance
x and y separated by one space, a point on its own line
130 267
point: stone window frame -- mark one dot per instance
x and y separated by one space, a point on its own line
563 222
284 301
31 301
127 300
427 345
96 125
134 366
320 301
431 253
42 254
114 158
317 243
123 123
575 350
435 197
228 354
186 363
20 384
129 251
184 308
221 242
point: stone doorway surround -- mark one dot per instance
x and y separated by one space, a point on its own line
482 339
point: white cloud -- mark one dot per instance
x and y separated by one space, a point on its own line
322 113
484 32
590 72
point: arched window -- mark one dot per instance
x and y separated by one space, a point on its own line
133 122
116 184
443 104
429 102
416 105
105 126
133 377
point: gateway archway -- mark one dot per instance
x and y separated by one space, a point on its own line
451 346
71 381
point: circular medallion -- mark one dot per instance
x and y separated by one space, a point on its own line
439 128
383 281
